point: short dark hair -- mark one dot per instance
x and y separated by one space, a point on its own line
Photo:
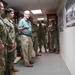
8 10
20 15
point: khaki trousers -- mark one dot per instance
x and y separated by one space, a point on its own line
27 47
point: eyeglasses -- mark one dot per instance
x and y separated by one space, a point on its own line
2 6
12 12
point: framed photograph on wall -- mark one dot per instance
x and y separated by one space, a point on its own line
73 11
70 13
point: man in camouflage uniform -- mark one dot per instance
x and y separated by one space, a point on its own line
9 12
18 47
41 35
53 37
35 36
3 36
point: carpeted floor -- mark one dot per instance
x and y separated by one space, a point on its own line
47 64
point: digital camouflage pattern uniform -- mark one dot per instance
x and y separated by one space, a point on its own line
53 37
11 40
18 47
3 40
41 36
35 36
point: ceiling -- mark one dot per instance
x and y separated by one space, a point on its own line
47 6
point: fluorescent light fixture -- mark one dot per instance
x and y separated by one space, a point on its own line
40 18
36 11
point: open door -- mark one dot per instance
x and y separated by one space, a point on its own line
50 17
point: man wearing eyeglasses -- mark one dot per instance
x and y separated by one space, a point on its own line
25 30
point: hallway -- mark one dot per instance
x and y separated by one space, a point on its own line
47 64
63 11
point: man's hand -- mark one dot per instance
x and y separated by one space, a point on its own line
26 27
11 45
1 46
23 28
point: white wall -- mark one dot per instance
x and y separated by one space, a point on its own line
67 44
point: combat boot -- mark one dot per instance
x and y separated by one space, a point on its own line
40 51
56 51
38 54
52 51
45 50
11 72
15 70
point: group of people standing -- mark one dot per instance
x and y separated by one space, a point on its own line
51 41
7 42
30 36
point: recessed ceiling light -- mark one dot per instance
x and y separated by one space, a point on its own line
36 11
40 18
